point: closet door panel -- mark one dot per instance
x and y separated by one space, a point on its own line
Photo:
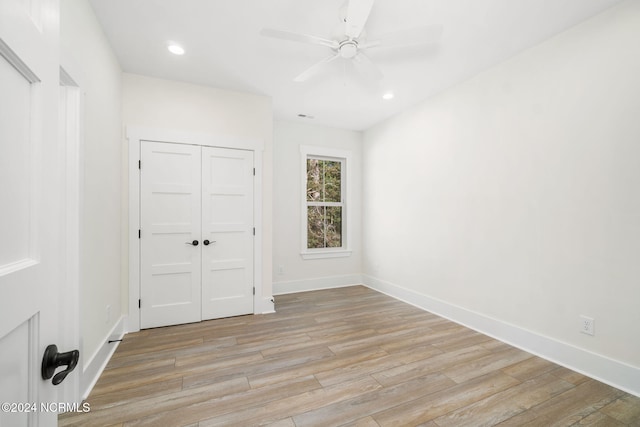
227 223
170 191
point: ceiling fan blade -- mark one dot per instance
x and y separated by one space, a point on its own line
315 69
357 15
296 37
411 37
367 67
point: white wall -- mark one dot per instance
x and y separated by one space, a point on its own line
290 272
163 104
87 56
515 195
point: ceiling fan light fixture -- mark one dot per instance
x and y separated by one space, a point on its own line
348 49
387 96
175 48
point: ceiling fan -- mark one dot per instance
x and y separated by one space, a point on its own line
351 44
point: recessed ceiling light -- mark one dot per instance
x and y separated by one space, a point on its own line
387 96
176 49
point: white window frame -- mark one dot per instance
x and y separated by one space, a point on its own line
326 153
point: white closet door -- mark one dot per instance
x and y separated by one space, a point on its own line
227 223
170 261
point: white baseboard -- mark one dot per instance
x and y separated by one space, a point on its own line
609 371
94 366
330 282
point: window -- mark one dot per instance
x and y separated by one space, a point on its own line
325 223
324 203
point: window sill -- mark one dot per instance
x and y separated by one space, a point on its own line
341 253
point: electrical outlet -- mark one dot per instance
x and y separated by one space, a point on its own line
587 325
281 270
108 314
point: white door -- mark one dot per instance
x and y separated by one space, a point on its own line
170 234
196 210
31 194
227 223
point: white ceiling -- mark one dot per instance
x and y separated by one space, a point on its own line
224 48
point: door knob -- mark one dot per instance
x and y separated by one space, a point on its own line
206 242
52 360
194 243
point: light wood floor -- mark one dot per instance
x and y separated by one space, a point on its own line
349 356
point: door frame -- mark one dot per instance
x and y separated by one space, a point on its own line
134 135
72 137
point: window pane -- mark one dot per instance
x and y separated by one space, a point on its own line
333 227
324 181
332 177
324 227
315 227
314 180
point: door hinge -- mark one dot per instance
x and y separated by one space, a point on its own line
139 303
139 164
254 290
139 234
254 231
254 171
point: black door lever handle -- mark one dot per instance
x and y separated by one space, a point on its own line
53 360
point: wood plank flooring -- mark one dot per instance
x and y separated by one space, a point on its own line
341 357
